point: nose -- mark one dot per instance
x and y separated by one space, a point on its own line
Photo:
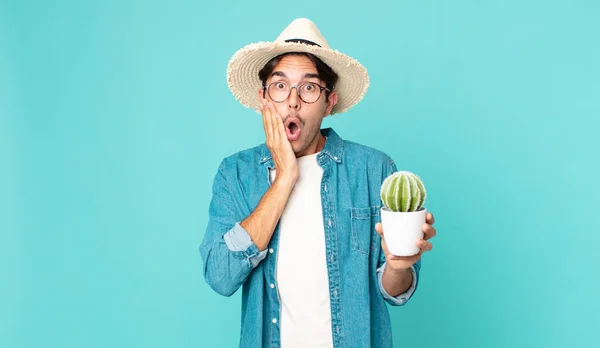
294 99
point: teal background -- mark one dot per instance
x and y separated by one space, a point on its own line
114 116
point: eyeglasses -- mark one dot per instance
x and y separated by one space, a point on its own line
309 92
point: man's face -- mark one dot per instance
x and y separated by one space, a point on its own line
302 121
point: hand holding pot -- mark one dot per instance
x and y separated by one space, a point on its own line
404 262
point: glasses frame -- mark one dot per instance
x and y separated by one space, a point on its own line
297 87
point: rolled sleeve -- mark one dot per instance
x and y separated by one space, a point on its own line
403 298
238 240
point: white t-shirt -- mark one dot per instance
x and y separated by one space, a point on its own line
301 271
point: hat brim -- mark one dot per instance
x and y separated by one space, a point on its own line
244 65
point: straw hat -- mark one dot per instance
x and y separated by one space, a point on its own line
243 68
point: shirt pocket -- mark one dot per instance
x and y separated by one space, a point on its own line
363 235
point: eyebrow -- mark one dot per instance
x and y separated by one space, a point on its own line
306 76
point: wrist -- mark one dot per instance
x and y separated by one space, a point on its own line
286 180
397 272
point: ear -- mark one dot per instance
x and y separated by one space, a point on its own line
333 99
261 94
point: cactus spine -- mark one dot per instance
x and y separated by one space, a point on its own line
403 192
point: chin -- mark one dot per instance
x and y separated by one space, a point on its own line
296 149
297 146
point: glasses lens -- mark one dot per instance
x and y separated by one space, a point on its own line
310 92
279 91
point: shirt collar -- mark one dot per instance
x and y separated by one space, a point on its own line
333 149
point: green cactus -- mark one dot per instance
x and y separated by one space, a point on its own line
403 192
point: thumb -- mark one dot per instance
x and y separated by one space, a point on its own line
379 228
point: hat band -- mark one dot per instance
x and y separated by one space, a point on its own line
307 42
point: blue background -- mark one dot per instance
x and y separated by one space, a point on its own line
114 116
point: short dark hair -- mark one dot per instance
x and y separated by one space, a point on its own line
325 72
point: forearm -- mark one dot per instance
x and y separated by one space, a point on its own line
396 282
260 224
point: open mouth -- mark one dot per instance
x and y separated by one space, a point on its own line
292 128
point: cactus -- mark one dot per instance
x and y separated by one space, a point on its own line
403 192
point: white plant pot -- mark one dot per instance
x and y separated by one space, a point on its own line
402 230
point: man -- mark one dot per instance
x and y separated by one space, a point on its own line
295 221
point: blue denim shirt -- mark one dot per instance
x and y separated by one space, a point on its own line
352 177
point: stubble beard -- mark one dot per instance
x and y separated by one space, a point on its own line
308 138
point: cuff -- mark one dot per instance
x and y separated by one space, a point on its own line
401 299
238 240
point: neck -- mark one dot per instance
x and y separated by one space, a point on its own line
315 146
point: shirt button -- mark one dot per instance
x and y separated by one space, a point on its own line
335 158
272 286
274 321
329 222
271 251
334 293
325 187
